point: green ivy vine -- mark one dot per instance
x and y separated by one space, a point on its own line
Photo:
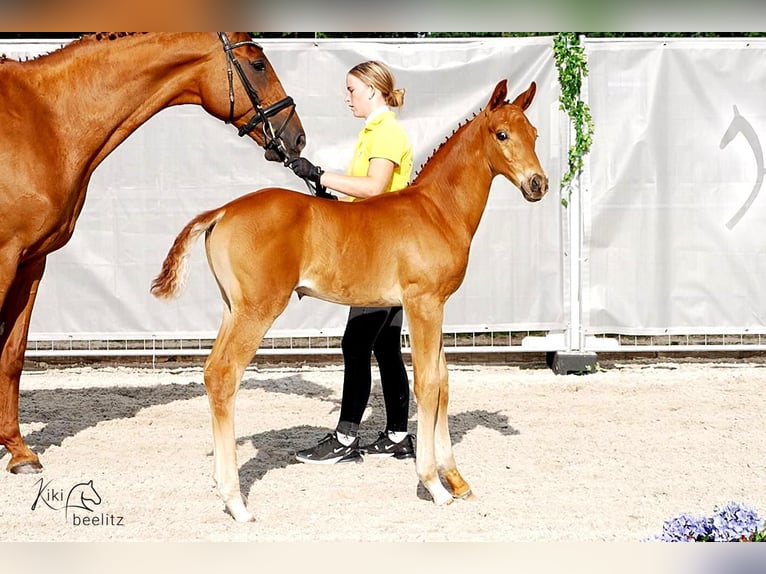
572 67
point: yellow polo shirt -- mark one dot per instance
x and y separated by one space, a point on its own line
383 137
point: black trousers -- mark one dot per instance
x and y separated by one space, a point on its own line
374 330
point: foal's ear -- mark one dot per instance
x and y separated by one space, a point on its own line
498 96
524 99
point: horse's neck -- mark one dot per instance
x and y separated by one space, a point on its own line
99 92
457 179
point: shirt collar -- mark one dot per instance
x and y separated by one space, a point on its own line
375 113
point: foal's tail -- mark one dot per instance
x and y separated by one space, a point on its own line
171 280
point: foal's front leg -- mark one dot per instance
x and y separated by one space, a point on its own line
425 322
445 457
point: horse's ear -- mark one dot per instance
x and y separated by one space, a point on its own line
498 96
524 100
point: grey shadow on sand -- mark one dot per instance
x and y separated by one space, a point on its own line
276 448
66 412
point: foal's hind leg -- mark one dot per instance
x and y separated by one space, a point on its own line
236 344
445 458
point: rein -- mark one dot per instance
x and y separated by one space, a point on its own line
272 137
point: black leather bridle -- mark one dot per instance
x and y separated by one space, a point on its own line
272 137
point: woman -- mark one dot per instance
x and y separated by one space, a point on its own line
382 162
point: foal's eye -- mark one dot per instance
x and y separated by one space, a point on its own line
258 65
502 136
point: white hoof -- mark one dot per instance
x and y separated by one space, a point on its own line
238 511
439 494
444 500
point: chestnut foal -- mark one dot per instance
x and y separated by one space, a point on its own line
407 248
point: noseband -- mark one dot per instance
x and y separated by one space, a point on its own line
272 137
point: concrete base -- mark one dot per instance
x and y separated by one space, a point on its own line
572 362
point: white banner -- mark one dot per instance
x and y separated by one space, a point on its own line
183 161
674 211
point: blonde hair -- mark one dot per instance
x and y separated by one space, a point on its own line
379 76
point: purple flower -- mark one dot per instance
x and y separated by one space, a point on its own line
686 528
734 521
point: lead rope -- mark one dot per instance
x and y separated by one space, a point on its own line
318 189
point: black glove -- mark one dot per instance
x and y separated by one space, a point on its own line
304 169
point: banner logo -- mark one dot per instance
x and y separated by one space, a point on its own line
739 125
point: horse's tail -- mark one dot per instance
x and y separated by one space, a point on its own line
171 280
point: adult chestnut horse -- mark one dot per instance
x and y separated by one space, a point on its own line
406 248
61 114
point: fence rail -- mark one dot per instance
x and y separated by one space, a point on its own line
329 344
298 343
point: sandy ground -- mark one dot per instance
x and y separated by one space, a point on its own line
607 456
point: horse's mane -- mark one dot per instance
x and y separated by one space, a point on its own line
99 36
102 37
87 37
461 126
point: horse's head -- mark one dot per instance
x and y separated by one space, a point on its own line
735 127
243 89
511 146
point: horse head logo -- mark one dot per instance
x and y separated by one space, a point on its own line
82 496
740 125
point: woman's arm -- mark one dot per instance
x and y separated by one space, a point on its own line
376 181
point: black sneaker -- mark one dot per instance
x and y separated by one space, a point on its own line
330 450
385 447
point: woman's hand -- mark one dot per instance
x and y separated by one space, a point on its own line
304 169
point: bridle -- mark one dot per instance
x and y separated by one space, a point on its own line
272 137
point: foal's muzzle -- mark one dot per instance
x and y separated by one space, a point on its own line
535 187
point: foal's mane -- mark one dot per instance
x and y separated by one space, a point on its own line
460 127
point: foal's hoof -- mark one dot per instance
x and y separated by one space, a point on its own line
28 467
239 513
443 500
468 495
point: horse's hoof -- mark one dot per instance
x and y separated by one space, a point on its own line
239 513
443 500
242 517
468 495
28 467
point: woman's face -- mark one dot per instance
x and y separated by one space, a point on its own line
358 96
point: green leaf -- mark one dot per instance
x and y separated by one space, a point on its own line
572 66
